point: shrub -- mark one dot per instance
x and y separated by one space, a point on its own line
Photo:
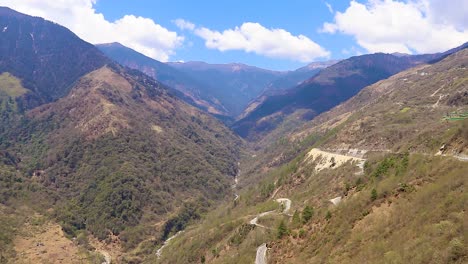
457 249
302 233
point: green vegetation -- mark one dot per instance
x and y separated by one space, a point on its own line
397 162
373 195
241 234
179 222
118 177
405 109
282 230
455 116
10 86
296 219
7 232
307 214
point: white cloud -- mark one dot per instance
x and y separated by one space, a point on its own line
184 24
422 26
253 37
139 33
330 8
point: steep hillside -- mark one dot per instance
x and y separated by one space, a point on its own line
114 158
122 154
381 182
389 113
234 85
47 57
322 92
290 80
193 90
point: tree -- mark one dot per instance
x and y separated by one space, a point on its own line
307 214
328 215
282 229
296 219
373 194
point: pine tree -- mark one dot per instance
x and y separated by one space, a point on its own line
373 194
296 219
307 214
328 215
282 229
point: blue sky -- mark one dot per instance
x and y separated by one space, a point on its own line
275 34
298 17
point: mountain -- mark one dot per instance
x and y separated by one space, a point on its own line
109 157
220 89
290 80
48 58
401 112
234 85
294 78
320 93
193 91
381 181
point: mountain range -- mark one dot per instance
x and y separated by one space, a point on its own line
223 90
110 156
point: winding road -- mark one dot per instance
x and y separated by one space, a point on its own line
261 254
262 249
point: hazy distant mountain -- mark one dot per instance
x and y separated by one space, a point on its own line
288 81
193 90
234 85
221 89
294 78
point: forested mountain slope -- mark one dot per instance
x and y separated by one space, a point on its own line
113 156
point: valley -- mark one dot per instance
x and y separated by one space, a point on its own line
108 155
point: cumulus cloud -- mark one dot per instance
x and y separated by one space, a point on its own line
184 24
253 37
139 33
421 26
